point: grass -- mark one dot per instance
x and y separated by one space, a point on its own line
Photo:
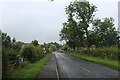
107 62
30 70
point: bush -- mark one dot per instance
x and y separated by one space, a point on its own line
52 48
47 49
32 53
5 63
65 48
110 53
8 60
40 52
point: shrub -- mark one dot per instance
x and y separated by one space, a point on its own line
40 52
8 60
65 48
32 53
110 53
47 49
5 62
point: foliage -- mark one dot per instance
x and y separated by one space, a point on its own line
104 34
46 48
65 48
18 46
35 43
104 53
8 60
6 40
32 53
43 46
52 48
54 43
5 63
11 49
30 70
57 45
75 30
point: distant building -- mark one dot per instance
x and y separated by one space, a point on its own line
92 47
46 44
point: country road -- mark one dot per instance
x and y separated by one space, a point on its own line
71 67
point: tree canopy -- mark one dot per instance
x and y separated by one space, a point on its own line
35 43
75 30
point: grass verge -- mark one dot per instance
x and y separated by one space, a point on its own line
30 70
106 62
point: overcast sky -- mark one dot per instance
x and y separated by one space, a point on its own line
27 20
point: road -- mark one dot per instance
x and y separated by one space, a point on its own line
49 69
71 67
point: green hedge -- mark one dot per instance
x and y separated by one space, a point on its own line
110 53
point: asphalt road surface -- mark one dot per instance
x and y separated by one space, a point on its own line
49 69
71 67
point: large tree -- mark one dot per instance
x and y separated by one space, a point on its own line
80 15
71 33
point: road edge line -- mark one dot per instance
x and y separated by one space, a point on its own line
57 71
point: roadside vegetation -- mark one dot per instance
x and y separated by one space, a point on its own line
29 70
24 60
106 56
103 53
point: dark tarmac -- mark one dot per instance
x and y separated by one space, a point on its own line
71 67
49 70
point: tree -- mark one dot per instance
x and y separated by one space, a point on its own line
53 48
18 46
13 43
105 31
71 32
80 15
6 40
92 38
65 48
35 43
57 45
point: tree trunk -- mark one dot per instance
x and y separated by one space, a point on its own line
87 40
73 47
